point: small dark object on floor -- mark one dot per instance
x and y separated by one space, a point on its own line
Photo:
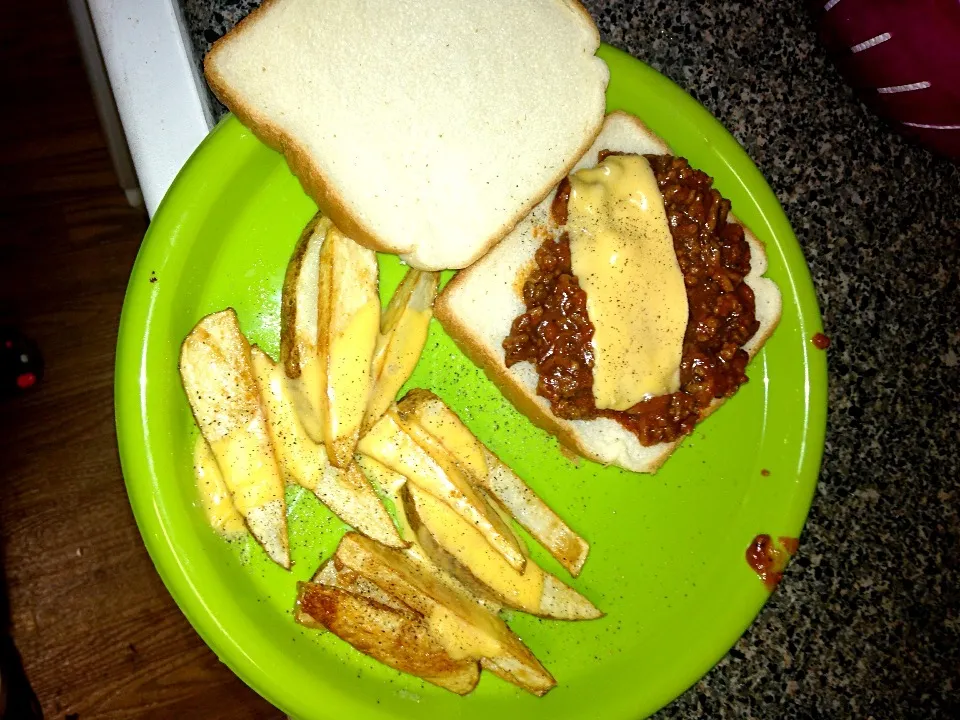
21 366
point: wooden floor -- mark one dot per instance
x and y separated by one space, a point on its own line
99 635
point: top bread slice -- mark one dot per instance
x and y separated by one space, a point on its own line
479 305
426 129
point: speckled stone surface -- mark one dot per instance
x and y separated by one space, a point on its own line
867 621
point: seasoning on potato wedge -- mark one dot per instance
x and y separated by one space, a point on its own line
403 333
217 373
346 492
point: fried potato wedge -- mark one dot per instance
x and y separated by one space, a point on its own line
302 461
329 325
217 374
403 333
534 515
457 547
387 483
464 628
348 325
396 637
390 484
497 479
455 439
405 447
348 580
214 495
299 314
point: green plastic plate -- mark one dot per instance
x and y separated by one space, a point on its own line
667 551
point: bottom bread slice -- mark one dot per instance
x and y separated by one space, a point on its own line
479 305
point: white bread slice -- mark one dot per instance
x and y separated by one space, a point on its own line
426 129
480 304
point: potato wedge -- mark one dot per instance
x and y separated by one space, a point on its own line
464 628
298 324
396 637
359 586
457 547
348 324
403 333
497 479
214 496
405 447
390 485
329 325
302 461
217 374
387 483
348 580
455 438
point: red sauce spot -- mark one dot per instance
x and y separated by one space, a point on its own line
765 472
767 560
791 545
820 341
541 233
26 380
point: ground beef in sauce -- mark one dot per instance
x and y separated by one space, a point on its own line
555 332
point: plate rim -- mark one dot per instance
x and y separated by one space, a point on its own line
131 387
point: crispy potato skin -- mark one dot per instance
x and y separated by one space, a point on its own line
397 637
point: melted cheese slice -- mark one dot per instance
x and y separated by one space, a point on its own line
446 427
462 540
349 382
300 458
407 448
397 354
248 465
622 252
461 638
214 496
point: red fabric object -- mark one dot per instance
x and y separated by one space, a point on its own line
903 59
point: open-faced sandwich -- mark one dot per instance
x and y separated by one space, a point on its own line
622 310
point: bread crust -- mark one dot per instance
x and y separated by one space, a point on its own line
523 398
323 191
548 187
314 183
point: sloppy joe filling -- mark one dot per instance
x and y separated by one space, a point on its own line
555 332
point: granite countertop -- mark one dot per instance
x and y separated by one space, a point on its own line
867 621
